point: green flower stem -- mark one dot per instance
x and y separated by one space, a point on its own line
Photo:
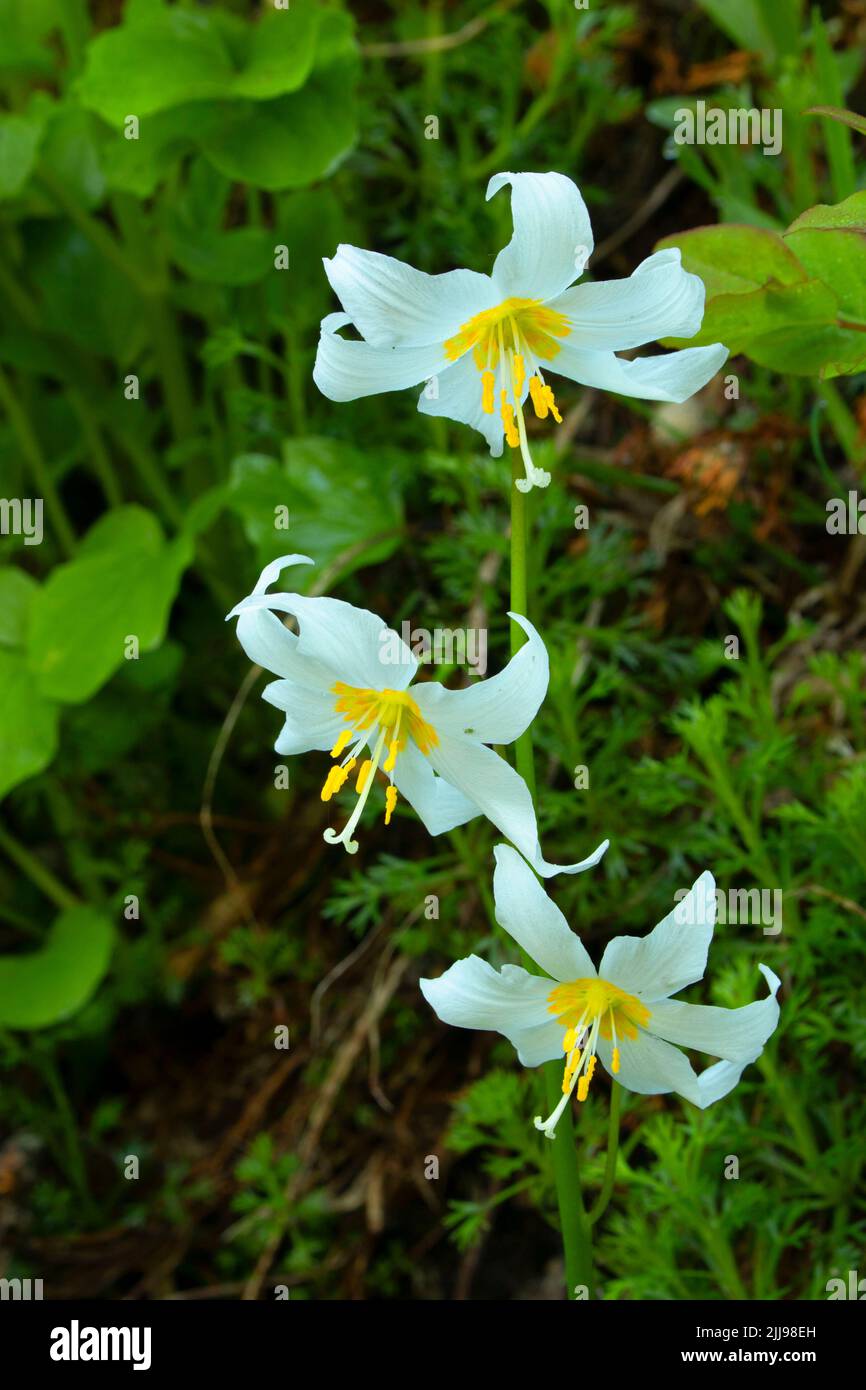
844 426
32 451
97 233
576 1240
96 451
600 1205
36 871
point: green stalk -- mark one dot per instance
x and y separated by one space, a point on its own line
576 1239
844 425
32 451
600 1206
36 871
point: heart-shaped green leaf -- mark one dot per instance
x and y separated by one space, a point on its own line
43 987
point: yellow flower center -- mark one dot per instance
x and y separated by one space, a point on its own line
586 1009
501 341
524 321
398 718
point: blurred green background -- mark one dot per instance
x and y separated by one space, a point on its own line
166 902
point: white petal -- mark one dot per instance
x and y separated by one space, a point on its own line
552 237
649 1066
394 305
673 955
659 300
503 797
352 644
736 1035
471 994
346 368
652 1067
673 376
268 642
440 806
498 709
542 1043
458 397
527 913
716 1081
311 719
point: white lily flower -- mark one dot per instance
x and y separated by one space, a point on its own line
622 1013
344 687
488 341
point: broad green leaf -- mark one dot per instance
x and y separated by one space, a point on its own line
139 166
16 595
240 257
342 504
310 223
25 25
734 259
84 297
851 212
279 52
836 256
43 987
736 319
164 57
122 584
290 142
28 723
70 151
19 144
809 349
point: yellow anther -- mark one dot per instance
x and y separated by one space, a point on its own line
590 1068
335 779
342 739
518 374
330 784
571 1067
615 1060
488 382
569 1040
390 802
539 402
393 710
547 395
363 774
583 1086
511 434
393 750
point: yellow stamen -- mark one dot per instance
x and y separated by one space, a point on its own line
342 739
390 802
488 382
393 750
511 433
336 778
395 711
584 1001
547 394
593 1008
518 374
363 774
536 392
537 325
